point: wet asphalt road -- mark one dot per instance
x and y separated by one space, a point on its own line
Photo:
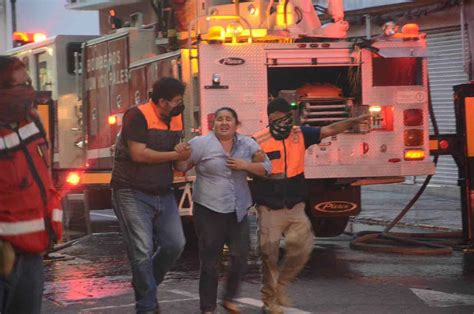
93 276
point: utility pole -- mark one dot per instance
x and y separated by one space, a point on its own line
4 26
468 17
13 8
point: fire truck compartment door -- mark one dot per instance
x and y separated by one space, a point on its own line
242 71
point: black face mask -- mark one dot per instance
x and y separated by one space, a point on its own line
280 129
176 111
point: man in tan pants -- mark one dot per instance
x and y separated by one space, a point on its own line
281 198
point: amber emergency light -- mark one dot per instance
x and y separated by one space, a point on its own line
414 154
25 38
73 178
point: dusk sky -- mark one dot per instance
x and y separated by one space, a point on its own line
52 18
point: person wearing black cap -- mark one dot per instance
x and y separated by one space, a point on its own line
281 197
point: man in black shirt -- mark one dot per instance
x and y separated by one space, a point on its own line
147 150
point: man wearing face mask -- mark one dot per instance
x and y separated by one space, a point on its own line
147 149
281 198
30 216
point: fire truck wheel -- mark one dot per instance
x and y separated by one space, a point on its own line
328 226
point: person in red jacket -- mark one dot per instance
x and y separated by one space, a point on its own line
30 215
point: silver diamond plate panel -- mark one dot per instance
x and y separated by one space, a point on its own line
247 84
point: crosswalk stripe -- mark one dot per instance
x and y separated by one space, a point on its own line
191 297
442 299
183 293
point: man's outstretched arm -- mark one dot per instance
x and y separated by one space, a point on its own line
341 126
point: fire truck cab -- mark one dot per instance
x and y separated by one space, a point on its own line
53 65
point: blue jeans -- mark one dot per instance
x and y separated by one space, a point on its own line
153 234
22 290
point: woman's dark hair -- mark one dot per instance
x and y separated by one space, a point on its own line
8 65
232 112
167 88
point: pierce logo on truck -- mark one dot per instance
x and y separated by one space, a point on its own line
335 206
232 61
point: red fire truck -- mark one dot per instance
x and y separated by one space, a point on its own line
244 54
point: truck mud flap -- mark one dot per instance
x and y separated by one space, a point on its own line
328 199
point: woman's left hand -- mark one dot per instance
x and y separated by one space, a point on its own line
237 164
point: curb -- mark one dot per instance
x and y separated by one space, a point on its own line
451 192
402 224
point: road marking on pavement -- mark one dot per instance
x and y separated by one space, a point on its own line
248 301
184 293
100 308
441 299
104 215
192 297
258 303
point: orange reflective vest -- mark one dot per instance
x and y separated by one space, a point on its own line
285 187
149 110
30 213
148 178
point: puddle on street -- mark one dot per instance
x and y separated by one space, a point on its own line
97 267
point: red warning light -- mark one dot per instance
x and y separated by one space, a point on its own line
444 144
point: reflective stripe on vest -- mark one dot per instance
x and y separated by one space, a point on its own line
21 227
154 122
12 140
292 149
